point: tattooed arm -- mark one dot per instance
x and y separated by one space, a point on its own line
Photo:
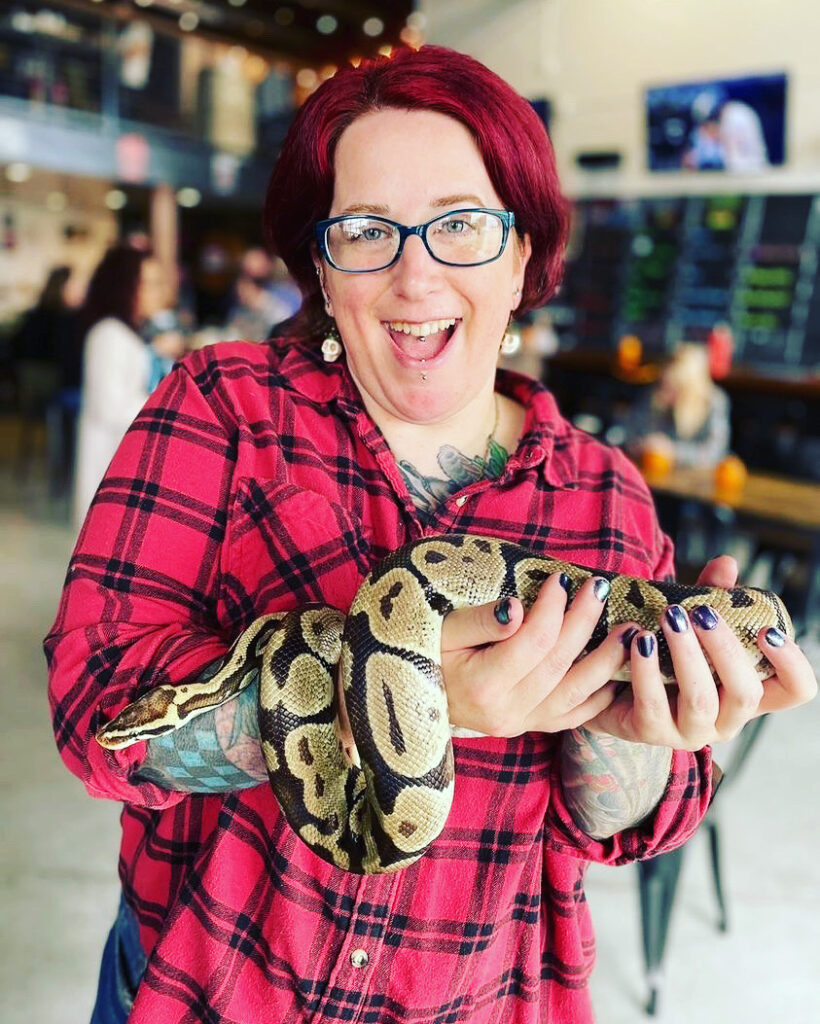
611 784
217 752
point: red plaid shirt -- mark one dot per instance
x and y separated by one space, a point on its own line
254 481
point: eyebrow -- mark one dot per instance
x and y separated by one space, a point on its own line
377 210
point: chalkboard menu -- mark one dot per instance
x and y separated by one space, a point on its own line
669 269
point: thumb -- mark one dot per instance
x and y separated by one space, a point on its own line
719 572
483 624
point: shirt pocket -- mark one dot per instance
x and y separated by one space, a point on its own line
289 547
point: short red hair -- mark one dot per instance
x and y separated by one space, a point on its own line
509 134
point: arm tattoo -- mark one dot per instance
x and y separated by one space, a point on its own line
610 784
217 752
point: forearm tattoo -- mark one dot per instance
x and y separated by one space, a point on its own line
611 784
217 752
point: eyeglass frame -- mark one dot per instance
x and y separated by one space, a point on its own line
321 228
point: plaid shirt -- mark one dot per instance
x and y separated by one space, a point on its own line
254 481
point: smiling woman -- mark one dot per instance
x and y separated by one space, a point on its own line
415 202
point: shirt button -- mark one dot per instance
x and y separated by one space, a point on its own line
460 501
359 958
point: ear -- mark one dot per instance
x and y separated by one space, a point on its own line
522 252
320 271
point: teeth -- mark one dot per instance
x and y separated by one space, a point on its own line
421 330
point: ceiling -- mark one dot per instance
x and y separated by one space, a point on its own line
352 28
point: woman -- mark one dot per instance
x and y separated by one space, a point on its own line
686 415
126 289
262 477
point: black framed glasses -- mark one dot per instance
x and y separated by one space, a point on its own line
357 244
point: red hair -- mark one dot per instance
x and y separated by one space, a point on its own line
509 134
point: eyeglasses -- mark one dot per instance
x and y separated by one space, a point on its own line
462 238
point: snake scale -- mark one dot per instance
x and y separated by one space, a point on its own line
379 810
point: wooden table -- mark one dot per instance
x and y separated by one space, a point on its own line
791 505
776 499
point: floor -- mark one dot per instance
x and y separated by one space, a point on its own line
58 847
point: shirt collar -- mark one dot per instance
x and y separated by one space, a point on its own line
548 439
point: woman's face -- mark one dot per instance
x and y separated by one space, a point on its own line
151 291
412 166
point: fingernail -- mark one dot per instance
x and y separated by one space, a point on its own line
564 580
601 588
774 637
646 645
503 611
628 636
676 617
704 617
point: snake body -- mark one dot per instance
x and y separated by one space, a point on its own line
379 810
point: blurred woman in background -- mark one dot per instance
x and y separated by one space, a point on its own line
127 289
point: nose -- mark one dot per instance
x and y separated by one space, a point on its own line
416 273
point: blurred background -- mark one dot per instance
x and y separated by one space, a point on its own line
687 330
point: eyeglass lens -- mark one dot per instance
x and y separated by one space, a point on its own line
463 237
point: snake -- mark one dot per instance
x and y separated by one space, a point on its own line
378 806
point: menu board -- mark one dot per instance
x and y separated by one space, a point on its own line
670 269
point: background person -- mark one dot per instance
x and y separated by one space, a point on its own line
126 290
263 477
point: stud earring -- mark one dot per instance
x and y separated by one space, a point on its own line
332 345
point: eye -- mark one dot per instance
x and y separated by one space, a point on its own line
373 233
454 225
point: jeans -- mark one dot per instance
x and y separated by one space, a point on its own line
122 968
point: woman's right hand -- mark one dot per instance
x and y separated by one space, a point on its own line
504 678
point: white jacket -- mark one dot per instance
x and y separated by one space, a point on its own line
116 368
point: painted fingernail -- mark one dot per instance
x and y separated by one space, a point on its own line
628 636
774 638
676 617
564 580
601 588
704 617
646 645
503 611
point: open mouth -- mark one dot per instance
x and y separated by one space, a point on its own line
417 342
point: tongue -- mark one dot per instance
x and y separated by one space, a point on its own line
418 349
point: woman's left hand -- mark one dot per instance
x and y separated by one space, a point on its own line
700 710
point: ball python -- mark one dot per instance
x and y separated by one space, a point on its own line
379 810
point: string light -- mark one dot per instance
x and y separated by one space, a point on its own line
327 24
115 199
188 21
189 197
373 27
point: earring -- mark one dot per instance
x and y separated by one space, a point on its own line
332 345
510 343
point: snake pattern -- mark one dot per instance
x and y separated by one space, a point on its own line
380 809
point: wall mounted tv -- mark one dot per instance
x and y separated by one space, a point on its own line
730 124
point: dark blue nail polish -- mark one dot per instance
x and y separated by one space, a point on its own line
502 611
628 636
565 581
704 617
646 645
774 638
601 588
676 617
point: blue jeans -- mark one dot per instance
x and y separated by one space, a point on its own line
122 968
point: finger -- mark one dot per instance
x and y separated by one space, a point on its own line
539 632
742 689
795 682
482 624
697 704
652 720
579 695
719 572
579 623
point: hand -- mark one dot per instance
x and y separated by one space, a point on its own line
505 678
700 710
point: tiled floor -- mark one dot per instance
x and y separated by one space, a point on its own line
58 849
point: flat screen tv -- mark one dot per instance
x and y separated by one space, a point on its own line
728 124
